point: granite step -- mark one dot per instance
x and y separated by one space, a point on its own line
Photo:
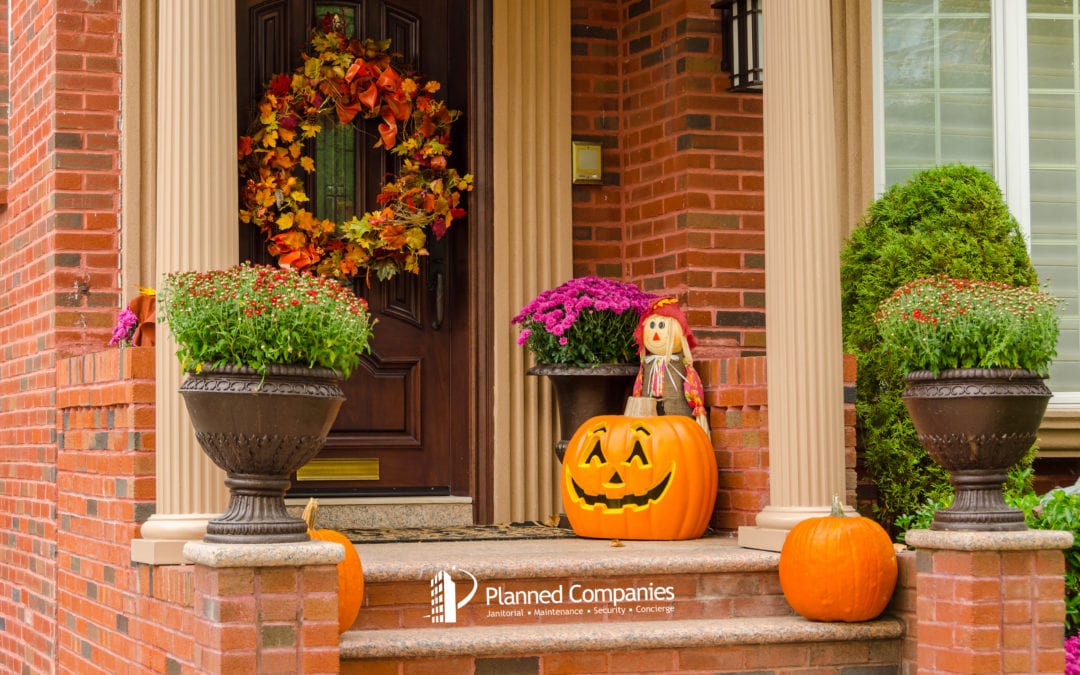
528 582
714 645
338 513
587 606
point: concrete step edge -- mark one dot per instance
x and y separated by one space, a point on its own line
561 558
605 636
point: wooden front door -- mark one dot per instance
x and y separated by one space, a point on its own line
403 428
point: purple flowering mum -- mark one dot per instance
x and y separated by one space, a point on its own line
1072 655
125 326
585 321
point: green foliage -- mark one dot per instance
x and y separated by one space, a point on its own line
255 316
939 323
948 220
1060 510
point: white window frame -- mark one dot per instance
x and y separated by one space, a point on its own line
1012 164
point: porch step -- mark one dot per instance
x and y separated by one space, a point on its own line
528 582
338 513
579 605
723 645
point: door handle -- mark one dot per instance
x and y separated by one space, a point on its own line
439 286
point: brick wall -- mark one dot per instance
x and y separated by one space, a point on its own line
267 620
117 617
4 102
59 228
596 117
737 396
681 208
112 616
738 407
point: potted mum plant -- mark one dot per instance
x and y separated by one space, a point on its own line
265 350
581 334
976 354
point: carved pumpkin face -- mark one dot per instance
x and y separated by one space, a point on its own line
639 478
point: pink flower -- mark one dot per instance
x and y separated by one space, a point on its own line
1072 655
126 322
586 320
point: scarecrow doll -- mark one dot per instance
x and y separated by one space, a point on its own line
667 372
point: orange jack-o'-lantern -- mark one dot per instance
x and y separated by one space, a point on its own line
639 478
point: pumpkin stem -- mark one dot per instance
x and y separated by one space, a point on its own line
837 507
309 513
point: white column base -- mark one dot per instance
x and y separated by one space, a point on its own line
761 538
164 536
774 522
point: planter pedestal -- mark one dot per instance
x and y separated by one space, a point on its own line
977 423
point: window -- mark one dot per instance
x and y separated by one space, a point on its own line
937 86
335 147
993 84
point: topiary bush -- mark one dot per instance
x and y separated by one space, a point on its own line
949 220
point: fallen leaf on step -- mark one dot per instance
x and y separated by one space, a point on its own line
552 520
615 543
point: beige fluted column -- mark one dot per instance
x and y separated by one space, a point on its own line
533 249
196 229
802 273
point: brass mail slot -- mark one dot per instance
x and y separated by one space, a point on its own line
339 469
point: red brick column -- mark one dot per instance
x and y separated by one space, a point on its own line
266 608
990 602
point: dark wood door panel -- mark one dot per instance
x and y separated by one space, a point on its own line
401 428
394 423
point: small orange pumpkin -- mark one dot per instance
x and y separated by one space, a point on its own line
837 568
639 478
350 572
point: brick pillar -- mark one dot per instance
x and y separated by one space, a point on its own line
266 608
990 602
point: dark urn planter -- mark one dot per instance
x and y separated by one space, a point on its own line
977 423
582 393
260 430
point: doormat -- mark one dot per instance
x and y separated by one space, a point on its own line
528 530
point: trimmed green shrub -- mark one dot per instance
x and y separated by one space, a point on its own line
1060 510
949 220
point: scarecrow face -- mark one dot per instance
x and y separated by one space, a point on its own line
662 335
616 477
639 478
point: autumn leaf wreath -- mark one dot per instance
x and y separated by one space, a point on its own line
344 79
